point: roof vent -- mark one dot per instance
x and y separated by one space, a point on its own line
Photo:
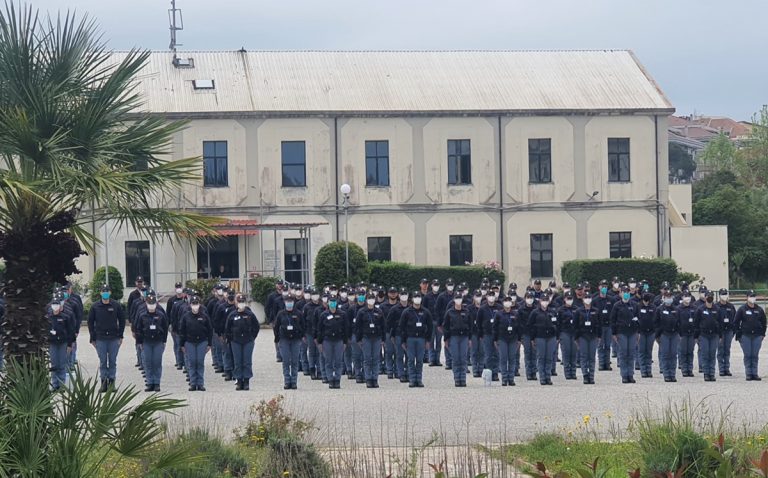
203 84
179 62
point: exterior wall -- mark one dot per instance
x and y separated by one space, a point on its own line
703 250
521 225
641 223
398 226
480 226
681 195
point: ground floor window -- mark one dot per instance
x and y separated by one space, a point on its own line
295 257
137 262
541 255
218 259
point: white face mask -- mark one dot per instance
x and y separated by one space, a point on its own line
325 300
370 301
241 306
417 300
724 297
334 293
344 295
615 285
752 300
477 299
529 301
686 300
195 308
464 293
151 307
544 304
484 292
507 304
632 285
587 301
435 288
220 293
285 293
403 298
491 299
55 307
179 291
569 302
450 288
457 301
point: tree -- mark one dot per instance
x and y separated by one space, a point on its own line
681 163
719 154
71 139
331 266
753 156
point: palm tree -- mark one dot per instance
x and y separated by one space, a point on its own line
72 140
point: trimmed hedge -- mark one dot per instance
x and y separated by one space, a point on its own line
203 286
655 271
115 283
330 264
406 275
261 288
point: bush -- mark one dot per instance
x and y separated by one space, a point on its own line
400 274
204 287
655 271
2 272
216 457
688 277
261 287
290 457
115 282
270 421
330 264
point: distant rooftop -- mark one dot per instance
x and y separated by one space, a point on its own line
238 83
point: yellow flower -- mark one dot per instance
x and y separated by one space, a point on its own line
586 419
286 473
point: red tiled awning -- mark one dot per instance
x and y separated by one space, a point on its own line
235 227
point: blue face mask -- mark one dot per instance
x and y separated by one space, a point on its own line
289 306
625 295
603 290
646 287
332 304
105 295
361 298
66 295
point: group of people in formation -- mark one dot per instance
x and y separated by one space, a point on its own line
365 332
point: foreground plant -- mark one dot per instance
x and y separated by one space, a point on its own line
75 432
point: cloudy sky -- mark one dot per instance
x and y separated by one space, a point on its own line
708 56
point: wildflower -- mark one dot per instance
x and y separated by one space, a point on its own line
586 420
286 473
608 414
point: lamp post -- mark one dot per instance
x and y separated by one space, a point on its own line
345 189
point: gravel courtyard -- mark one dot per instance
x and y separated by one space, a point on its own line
395 415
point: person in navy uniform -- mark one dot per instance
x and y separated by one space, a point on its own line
750 328
60 339
507 336
106 326
686 314
542 323
289 328
476 355
708 335
457 328
485 333
588 335
416 326
624 326
727 316
332 337
566 325
152 335
196 335
668 336
241 329
603 303
646 315
396 336
371 334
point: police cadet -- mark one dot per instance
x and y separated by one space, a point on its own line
389 344
603 303
241 330
320 314
726 315
444 302
529 354
355 364
668 336
60 339
507 333
219 323
698 304
332 336
457 328
415 326
750 330
217 298
172 318
486 324
76 302
106 325
371 333
588 335
134 298
624 326
708 335
152 335
196 334
687 318
646 317
476 354
542 323
289 334
566 326
395 334
430 303
309 317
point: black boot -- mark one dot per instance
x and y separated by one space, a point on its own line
157 387
149 388
247 384
369 384
104 384
239 385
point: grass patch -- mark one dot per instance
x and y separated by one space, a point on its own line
559 454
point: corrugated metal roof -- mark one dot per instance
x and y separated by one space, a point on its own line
316 82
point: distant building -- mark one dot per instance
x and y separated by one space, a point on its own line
525 158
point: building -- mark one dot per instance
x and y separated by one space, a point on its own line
528 158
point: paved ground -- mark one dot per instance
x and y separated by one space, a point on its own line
395 415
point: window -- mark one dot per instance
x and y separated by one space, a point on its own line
219 259
461 250
379 248
618 159
621 244
295 257
294 154
215 164
377 163
459 162
540 160
203 84
137 261
541 255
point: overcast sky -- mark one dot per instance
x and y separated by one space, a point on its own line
708 56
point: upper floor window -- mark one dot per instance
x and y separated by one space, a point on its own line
379 248
540 160
377 163
460 250
215 164
294 162
459 162
618 159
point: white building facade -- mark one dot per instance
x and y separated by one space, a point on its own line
528 159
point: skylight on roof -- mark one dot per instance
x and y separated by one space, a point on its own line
203 84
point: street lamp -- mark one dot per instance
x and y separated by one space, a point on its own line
345 189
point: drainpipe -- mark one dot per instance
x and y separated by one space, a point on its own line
336 170
501 196
659 241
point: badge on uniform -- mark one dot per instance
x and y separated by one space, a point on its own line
329 317
418 324
290 327
554 319
53 332
510 329
605 311
372 326
153 327
690 319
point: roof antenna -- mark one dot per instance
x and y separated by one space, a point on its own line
174 14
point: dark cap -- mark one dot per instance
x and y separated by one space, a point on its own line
106 288
416 294
537 282
449 281
552 284
403 290
178 285
648 297
424 281
625 288
241 298
530 295
566 285
703 289
391 290
569 295
603 282
152 299
686 293
435 282
513 285
194 300
751 293
478 293
139 279
723 292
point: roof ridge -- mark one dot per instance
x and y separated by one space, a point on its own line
481 50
